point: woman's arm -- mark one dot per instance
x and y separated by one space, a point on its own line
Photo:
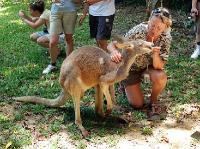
158 63
24 16
34 25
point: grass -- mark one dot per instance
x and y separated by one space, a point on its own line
22 62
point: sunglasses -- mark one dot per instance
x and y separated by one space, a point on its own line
159 11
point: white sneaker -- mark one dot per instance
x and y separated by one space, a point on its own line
49 68
195 54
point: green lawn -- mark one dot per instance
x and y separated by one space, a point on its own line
21 65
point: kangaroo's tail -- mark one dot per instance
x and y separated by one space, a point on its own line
57 102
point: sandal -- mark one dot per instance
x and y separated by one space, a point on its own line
156 112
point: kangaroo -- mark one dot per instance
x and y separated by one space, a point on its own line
90 66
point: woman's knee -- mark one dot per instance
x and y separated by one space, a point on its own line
135 96
34 37
159 76
42 40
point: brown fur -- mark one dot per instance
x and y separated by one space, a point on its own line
90 66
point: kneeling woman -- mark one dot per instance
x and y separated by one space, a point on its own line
157 30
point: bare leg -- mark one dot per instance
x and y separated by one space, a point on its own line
70 43
34 37
43 41
102 44
159 80
54 51
135 95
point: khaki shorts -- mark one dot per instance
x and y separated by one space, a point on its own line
63 22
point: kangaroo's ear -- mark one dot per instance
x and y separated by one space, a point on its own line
119 38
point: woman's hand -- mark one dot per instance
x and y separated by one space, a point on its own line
21 13
116 56
156 50
158 63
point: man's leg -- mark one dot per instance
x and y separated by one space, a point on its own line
53 48
70 43
104 29
102 44
159 81
196 52
53 51
69 23
135 95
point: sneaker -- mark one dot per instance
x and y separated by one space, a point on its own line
195 54
49 68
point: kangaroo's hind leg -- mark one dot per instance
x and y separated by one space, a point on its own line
99 101
74 88
112 93
105 89
78 121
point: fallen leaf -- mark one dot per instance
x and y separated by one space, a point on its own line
196 135
164 139
8 144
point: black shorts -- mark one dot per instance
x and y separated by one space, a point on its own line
101 26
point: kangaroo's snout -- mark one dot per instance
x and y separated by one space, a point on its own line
149 44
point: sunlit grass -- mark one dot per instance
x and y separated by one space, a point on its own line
21 65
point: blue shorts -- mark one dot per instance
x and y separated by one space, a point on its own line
47 35
101 26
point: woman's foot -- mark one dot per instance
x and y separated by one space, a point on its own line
156 112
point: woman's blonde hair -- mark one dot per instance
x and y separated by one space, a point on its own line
164 14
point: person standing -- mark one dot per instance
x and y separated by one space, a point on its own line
195 12
63 19
101 17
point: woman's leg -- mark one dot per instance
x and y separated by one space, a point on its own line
43 41
34 37
159 81
135 95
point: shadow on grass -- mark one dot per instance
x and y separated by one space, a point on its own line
49 121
